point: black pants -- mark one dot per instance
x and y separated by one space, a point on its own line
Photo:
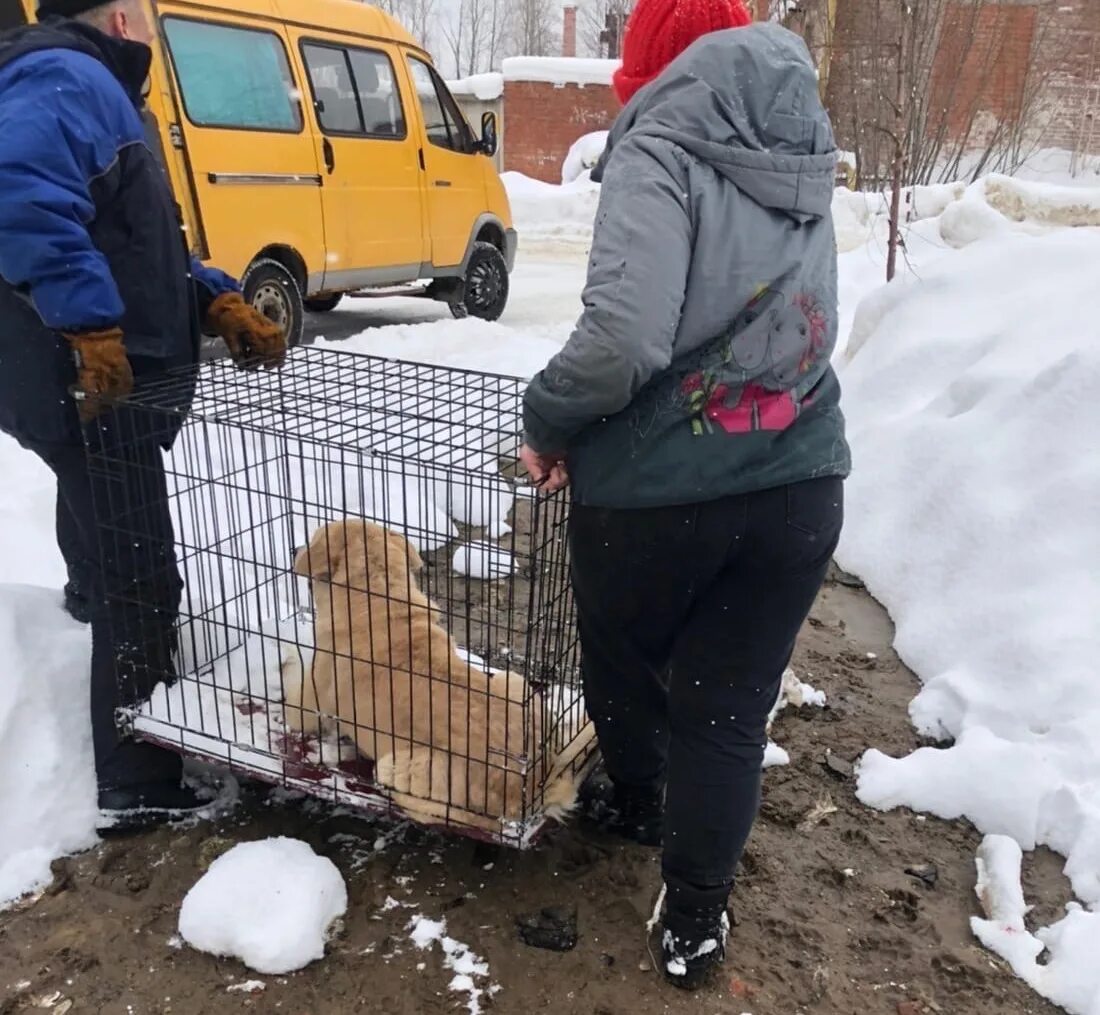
688 618
126 567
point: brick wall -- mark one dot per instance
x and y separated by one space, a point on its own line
981 66
1067 47
543 120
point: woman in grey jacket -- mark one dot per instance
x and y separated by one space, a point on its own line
696 416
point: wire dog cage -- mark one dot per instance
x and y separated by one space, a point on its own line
364 600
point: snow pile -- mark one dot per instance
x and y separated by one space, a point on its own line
583 156
271 904
483 87
544 212
560 71
971 398
469 970
47 780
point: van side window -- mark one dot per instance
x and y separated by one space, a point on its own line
354 91
444 124
233 77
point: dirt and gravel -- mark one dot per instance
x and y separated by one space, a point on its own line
837 912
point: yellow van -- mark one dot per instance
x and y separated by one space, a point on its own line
315 152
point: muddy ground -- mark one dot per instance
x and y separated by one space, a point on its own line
828 921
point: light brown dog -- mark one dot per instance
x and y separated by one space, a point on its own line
443 733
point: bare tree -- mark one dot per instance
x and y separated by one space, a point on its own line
418 16
603 25
476 34
535 27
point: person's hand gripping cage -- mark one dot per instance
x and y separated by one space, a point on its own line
254 341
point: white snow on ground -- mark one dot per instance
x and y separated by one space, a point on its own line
272 904
47 789
971 399
470 971
583 156
971 391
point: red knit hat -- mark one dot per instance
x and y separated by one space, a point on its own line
660 30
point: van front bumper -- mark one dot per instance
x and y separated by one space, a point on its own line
511 245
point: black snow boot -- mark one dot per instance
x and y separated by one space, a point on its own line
693 934
77 605
126 810
628 812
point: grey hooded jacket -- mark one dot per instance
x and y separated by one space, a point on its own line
700 365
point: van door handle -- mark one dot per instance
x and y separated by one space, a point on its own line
442 183
330 156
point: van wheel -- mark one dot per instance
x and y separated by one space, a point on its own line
275 293
485 294
323 304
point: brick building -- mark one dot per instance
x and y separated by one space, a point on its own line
548 104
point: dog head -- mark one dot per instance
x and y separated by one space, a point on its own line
361 556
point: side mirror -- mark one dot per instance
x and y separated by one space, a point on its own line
488 144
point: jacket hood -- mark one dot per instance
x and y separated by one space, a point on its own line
128 61
746 102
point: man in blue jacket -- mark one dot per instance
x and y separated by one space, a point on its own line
99 295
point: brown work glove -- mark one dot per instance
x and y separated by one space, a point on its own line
253 340
103 373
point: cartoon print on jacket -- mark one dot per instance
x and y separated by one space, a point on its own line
753 383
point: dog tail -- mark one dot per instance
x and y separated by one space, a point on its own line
560 796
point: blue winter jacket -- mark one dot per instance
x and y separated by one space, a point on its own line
90 234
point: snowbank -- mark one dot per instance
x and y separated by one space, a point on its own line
483 87
971 399
271 904
545 213
583 156
560 70
47 781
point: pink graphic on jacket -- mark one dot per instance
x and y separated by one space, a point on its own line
777 360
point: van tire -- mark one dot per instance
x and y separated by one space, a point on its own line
270 288
323 304
485 292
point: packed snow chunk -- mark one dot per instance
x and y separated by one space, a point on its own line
483 502
583 155
47 780
971 220
1044 203
270 904
1069 975
484 562
470 970
1001 896
794 692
